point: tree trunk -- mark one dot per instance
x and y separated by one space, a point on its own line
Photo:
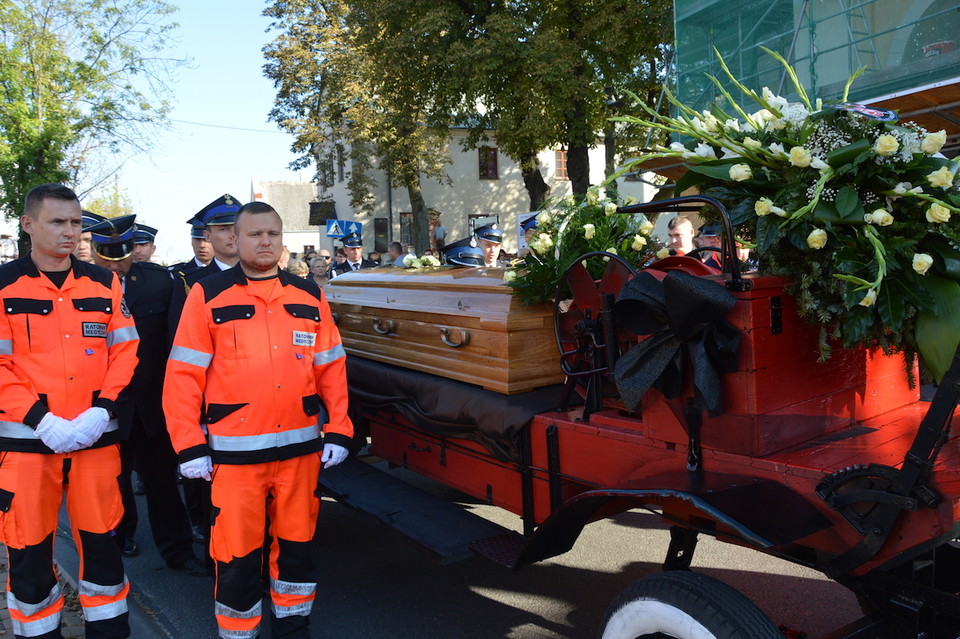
536 187
578 167
421 227
610 156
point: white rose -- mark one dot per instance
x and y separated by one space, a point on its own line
942 177
408 260
880 217
638 243
799 156
544 217
932 144
589 230
922 263
662 253
750 143
740 172
646 227
612 250
592 197
545 241
886 145
938 214
817 239
870 298
509 276
609 208
764 206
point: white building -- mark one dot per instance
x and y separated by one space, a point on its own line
486 186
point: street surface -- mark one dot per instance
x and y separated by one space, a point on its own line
375 584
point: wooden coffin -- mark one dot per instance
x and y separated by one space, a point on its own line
781 395
459 323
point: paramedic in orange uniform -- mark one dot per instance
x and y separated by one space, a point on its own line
68 346
256 401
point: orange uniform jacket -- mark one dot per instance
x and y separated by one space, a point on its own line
61 350
264 375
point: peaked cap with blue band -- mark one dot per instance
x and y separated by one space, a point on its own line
143 234
88 219
113 237
490 233
222 210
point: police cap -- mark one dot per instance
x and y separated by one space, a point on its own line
143 234
88 219
113 237
490 233
352 240
222 210
464 253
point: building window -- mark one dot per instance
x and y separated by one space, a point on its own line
560 164
488 163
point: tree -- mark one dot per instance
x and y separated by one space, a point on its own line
332 93
112 201
83 84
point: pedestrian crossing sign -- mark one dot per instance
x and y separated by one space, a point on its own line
335 228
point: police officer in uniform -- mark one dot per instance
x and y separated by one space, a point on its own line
144 242
489 238
353 247
202 251
146 289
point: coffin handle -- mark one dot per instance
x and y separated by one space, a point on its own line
445 337
384 327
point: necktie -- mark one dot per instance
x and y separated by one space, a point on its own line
356 266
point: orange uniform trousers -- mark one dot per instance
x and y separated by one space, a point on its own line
32 486
244 496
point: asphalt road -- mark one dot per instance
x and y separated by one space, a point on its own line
376 584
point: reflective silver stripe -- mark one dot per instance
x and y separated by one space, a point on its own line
300 609
292 587
240 634
121 335
190 356
105 611
327 356
226 611
90 589
6 347
36 628
240 443
28 609
18 430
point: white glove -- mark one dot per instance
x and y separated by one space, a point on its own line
333 454
90 425
58 434
199 468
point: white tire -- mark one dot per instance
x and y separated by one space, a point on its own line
684 605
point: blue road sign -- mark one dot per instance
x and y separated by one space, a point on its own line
335 228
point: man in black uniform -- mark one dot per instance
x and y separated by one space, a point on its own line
202 251
353 248
146 290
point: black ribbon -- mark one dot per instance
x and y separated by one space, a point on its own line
683 315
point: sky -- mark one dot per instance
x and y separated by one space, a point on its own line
220 139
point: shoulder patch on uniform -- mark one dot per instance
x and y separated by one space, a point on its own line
216 283
96 273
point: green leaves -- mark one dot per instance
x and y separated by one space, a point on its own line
938 331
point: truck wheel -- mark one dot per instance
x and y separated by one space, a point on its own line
684 605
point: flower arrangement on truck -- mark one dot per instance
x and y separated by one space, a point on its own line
602 374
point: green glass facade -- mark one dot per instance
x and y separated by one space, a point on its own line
906 45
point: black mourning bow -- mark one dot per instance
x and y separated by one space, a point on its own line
681 313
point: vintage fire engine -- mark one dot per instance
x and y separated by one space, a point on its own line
721 421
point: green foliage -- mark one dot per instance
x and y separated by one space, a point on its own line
855 212
82 82
570 227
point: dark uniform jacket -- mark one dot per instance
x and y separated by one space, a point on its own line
340 269
147 291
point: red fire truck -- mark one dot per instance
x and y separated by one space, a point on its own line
695 396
